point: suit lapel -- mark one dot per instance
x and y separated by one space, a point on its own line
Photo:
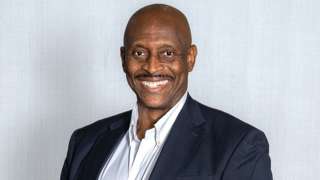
101 150
182 143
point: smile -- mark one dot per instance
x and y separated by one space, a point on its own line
154 84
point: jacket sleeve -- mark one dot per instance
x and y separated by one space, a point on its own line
250 159
67 163
262 170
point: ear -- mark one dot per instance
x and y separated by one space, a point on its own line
123 58
191 56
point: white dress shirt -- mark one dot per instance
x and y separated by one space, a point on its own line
134 159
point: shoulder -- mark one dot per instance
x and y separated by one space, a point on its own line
231 131
102 125
240 149
83 138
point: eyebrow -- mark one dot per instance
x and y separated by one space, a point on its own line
139 45
161 47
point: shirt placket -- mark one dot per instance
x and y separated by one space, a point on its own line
142 157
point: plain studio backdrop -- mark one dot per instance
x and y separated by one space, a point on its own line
60 69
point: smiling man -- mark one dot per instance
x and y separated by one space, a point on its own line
167 135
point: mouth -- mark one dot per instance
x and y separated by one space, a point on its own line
154 86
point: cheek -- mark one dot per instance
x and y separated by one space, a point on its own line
180 70
131 68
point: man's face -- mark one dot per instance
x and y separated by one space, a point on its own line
156 63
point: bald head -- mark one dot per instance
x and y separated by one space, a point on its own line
159 17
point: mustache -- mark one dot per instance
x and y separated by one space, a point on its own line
154 75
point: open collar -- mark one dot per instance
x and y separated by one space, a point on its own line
162 127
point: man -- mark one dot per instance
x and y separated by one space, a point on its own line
167 135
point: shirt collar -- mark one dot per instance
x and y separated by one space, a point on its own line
162 127
133 124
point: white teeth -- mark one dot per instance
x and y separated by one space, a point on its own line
154 84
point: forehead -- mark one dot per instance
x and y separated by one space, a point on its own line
154 34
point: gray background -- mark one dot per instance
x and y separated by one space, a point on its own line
60 69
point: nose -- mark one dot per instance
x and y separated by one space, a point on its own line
152 64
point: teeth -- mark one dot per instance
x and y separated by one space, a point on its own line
155 84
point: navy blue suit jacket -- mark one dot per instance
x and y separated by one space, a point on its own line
203 144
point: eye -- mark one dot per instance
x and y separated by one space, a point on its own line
167 53
138 53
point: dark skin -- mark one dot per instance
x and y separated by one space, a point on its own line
157 56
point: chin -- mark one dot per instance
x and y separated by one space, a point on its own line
155 103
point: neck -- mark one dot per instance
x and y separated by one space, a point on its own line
147 118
